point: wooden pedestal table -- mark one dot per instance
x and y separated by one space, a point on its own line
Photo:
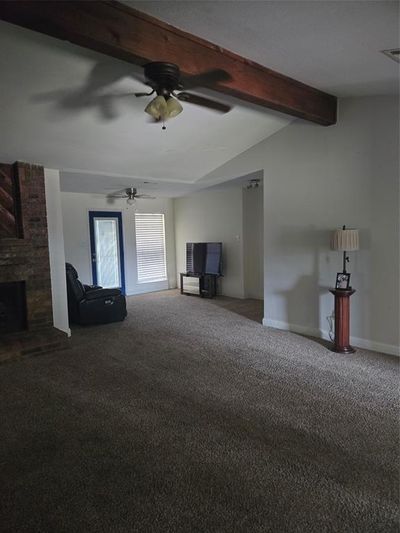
342 320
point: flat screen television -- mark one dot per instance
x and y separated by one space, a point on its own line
204 258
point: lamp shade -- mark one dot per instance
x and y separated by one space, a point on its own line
157 108
162 109
174 107
345 240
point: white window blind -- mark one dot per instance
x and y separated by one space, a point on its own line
150 247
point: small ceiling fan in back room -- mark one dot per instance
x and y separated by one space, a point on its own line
165 78
131 194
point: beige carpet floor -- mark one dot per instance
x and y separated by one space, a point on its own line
188 417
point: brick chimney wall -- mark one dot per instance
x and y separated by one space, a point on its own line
26 257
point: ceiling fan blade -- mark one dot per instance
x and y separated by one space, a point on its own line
138 95
204 102
206 79
145 196
115 196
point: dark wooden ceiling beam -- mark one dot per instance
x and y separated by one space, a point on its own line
124 33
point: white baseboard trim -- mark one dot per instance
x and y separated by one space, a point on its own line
147 287
64 330
323 334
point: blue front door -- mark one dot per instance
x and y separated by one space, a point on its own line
107 249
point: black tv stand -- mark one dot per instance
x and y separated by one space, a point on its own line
204 285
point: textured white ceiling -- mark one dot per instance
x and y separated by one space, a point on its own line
69 108
332 45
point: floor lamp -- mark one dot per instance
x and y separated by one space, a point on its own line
343 240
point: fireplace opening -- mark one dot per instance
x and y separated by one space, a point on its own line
12 307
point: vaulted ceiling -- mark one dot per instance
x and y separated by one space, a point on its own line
73 109
70 108
332 45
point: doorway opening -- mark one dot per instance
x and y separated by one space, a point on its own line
107 249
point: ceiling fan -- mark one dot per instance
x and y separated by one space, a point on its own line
165 78
131 194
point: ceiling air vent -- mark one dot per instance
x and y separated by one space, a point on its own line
394 54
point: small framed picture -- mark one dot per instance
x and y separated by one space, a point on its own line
342 280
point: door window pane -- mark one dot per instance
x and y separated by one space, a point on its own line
107 255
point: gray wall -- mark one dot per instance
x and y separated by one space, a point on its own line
75 211
213 215
316 179
253 243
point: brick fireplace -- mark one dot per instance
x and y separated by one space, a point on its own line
24 264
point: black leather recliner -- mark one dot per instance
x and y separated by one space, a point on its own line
90 304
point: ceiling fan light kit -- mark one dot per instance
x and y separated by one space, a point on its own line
165 78
163 108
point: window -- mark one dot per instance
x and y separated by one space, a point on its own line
150 247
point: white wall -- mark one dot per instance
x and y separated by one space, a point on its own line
213 216
316 179
56 250
76 207
253 242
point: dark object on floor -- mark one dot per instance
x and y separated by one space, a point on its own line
204 285
92 304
